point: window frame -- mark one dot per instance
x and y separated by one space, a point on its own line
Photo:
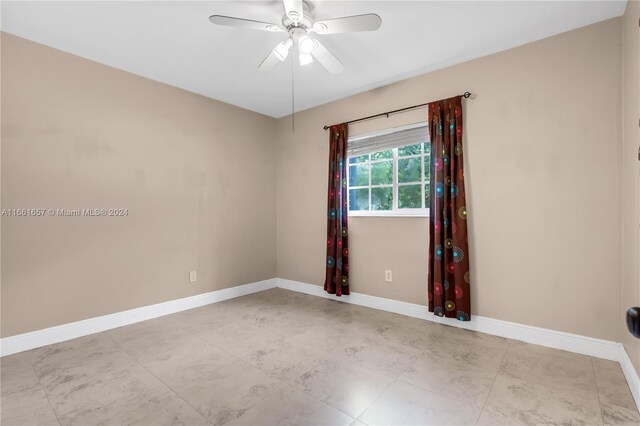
395 211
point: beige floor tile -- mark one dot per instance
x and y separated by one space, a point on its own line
114 397
486 352
240 338
264 315
612 386
514 401
78 360
29 407
451 374
283 358
22 400
605 364
16 373
210 317
83 350
295 321
167 409
564 370
402 330
221 394
616 401
325 337
617 415
344 385
150 337
406 404
460 364
471 348
291 407
232 306
378 355
282 297
282 319
274 301
178 358
336 312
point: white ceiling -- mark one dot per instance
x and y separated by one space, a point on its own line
174 42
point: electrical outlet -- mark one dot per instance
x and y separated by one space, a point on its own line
193 276
387 275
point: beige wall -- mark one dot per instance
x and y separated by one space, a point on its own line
631 173
197 176
543 151
199 179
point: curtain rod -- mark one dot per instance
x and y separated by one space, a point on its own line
464 95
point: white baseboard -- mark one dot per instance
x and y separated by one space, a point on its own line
48 336
540 336
526 333
631 375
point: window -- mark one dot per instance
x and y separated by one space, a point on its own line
393 181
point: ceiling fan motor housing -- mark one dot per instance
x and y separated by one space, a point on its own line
305 23
297 32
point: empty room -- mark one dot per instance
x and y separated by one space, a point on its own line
316 212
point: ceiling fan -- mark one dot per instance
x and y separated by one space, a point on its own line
299 23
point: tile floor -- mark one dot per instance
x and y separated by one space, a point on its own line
279 357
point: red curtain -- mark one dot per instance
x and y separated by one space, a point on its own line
448 282
337 273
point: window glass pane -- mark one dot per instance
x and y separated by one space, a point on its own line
359 199
427 147
359 175
410 150
359 159
426 168
427 199
409 170
382 173
409 197
381 154
382 198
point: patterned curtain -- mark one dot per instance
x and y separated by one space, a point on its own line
337 273
448 283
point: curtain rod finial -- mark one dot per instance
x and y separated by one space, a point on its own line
466 94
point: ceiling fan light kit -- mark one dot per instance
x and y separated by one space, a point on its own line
305 59
306 45
282 49
298 22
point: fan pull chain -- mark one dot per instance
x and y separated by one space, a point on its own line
293 111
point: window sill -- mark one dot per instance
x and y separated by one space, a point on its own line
396 213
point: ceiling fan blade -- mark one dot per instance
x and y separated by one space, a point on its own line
269 62
348 24
278 54
230 21
294 9
326 58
